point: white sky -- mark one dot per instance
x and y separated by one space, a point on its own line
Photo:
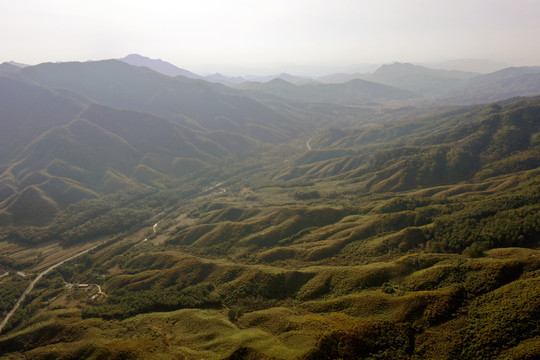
238 35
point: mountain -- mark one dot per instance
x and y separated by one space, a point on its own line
7 68
96 128
225 80
470 65
354 92
296 80
158 65
502 84
212 106
463 144
17 64
340 78
458 87
407 76
57 152
418 78
277 87
11 71
27 111
293 79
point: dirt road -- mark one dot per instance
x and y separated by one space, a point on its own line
34 282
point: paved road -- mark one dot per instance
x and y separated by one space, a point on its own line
34 282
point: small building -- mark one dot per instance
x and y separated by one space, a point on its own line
84 286
95 297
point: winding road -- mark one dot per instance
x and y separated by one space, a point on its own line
34 282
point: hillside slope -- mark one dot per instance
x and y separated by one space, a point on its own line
158 65
462 144
107 150
499 85
418 78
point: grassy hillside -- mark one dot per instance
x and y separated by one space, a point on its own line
164 303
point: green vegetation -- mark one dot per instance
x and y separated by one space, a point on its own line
10 289
413 235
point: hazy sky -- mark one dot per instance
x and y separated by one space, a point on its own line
241 35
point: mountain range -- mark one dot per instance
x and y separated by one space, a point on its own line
418 78
158 65
440 85
57 158
354 92
143 215
502 84
48 163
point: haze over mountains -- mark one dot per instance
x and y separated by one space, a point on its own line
194 124
158 65
405 76
66 136
389 215
446 84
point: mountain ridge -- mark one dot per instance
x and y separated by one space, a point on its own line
353 92
213 106
158 65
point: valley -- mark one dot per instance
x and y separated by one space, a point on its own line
392 220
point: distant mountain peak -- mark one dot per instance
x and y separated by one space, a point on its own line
471 65
296 80
279 80
158 65
17 64
137 56
223 79
418 78
399 68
